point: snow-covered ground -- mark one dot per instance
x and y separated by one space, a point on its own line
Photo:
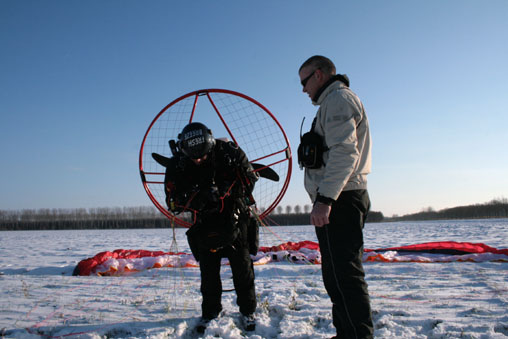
39 297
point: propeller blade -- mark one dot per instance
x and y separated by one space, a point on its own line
265 172
162 160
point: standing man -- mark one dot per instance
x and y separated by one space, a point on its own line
336 181
215 180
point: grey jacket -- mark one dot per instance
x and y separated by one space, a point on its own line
342 120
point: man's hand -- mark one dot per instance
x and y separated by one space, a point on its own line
319 215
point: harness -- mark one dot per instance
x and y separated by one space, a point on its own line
215 192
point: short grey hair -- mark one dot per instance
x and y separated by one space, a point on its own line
320 62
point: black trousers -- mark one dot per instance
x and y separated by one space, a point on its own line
341 244
243 279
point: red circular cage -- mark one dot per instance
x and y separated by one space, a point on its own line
232 116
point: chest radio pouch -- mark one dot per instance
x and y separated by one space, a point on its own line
311 148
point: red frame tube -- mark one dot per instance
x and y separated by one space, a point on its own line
207 93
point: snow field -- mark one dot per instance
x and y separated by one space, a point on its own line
40 297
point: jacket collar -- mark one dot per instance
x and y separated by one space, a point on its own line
318 98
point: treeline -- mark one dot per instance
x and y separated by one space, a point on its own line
83 218
150 217
496 208
304 218
121 217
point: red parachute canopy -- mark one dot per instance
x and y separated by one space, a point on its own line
86 266
122 261
291 246
445 247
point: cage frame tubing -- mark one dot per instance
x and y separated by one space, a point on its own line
221 118
288 149
269 155
206 92
161 208
194 108
284 187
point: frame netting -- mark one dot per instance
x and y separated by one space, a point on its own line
232 116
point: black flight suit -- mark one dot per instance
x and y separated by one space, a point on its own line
218 189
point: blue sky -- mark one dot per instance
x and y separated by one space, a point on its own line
80 81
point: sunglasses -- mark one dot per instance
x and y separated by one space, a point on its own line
304 81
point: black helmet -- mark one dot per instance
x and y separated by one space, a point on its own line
196 140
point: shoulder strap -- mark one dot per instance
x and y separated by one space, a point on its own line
325 148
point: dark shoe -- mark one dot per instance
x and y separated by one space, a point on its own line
204 320
249 322
202 324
